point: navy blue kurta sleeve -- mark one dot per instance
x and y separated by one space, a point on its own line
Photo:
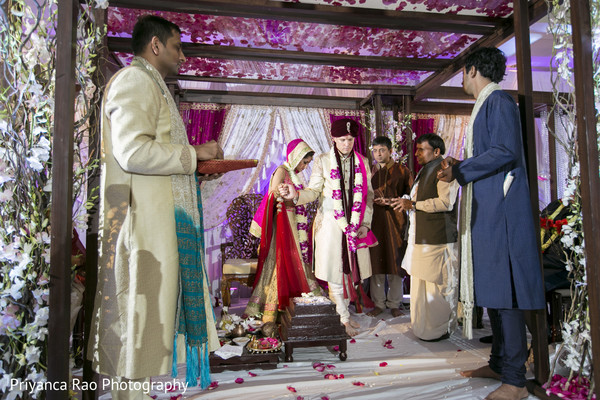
506 267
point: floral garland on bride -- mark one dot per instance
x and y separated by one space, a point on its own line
350 229
301 215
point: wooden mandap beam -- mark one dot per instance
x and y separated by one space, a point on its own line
270 99
270 82
324 14
587 149
537 10
294 57
62 202
457 93
538 324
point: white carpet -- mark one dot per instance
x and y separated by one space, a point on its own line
415 369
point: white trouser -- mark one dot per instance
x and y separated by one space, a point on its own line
430 312
336 294
394 294
129 389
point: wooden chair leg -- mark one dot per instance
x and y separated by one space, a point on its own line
556 313
225 295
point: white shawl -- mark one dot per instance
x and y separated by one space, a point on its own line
467 296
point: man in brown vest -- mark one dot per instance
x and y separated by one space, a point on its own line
431 256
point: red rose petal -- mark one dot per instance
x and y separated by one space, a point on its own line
213 385
324 398
330 376
251 374
358 384
317 364
291 389
340 376
320 368
383 364
352 340
330 366
239 380
336 348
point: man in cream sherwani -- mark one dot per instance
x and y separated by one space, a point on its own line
342 183
148 169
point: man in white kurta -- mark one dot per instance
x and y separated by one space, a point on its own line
431 256
328 236
134 323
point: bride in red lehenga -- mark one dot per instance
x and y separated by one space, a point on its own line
284 261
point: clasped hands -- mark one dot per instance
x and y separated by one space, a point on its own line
289 192
209 151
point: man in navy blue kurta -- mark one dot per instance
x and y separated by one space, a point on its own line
505 262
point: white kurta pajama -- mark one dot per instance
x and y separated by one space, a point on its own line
328 262
433 269
135 307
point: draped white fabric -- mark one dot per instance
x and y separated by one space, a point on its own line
308 124
452 128
247 134
543 159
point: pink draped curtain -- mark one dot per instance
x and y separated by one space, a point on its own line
203 122
420 126
360 142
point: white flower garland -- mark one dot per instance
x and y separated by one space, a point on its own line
301 215
350 229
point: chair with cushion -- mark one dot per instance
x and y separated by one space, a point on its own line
240 256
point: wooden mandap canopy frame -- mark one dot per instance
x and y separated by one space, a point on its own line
409 82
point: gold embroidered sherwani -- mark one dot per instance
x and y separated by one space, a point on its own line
138 270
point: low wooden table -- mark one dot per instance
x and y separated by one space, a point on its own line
244 362
309 325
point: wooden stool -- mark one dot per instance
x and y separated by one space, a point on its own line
308 325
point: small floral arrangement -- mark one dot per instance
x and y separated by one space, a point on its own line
267 343
552 227
576 388
397 131
230 321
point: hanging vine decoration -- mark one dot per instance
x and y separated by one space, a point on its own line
571 372
397 131
27 77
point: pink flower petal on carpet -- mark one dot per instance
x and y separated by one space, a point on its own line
239 380
291 389
383 364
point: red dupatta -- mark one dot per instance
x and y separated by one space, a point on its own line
291 278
